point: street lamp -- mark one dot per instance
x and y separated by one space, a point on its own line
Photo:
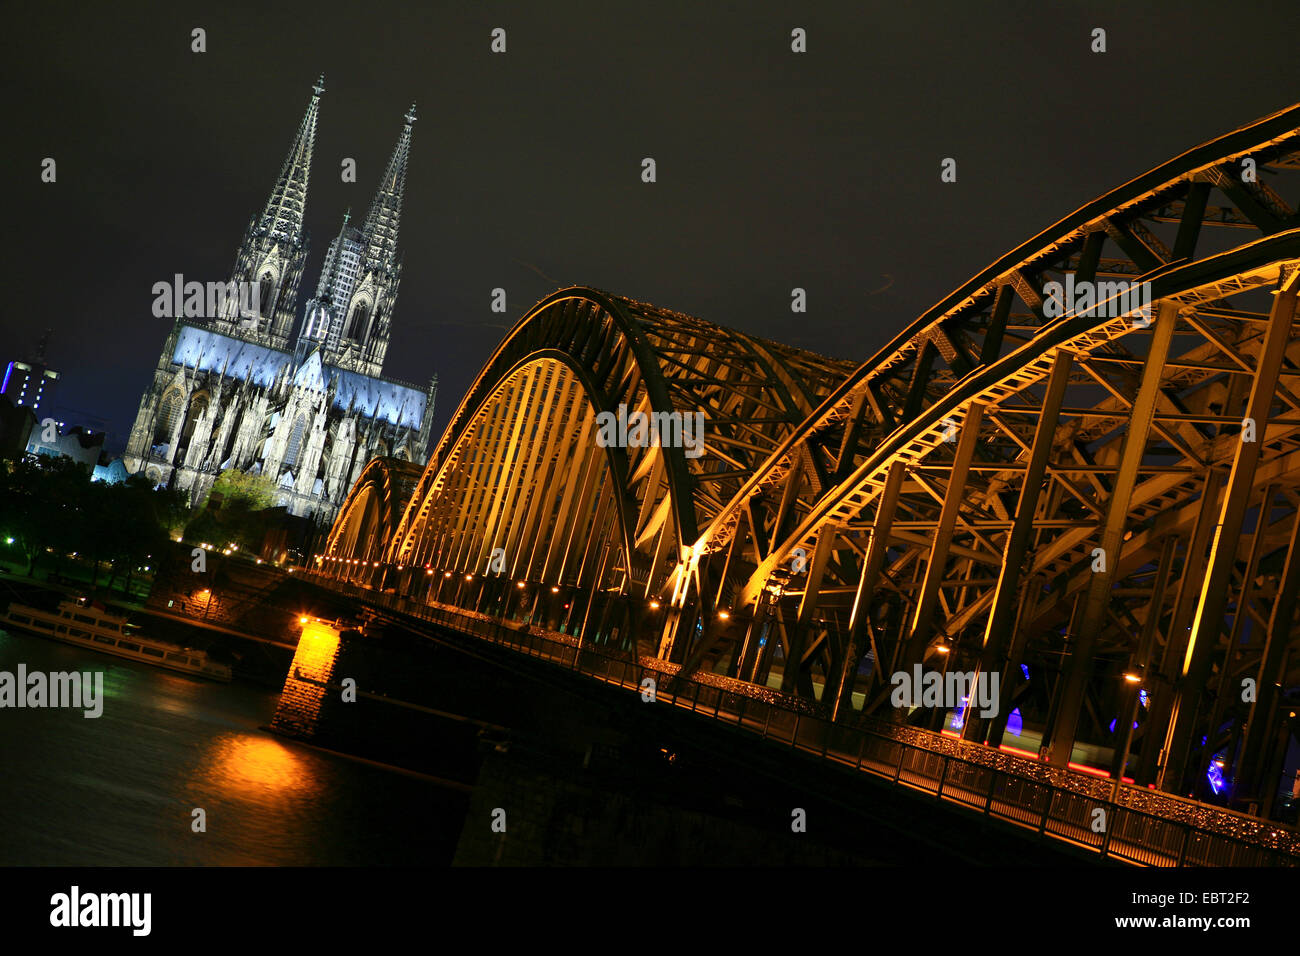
1130 677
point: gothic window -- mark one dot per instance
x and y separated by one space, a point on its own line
168 412
198 407
283 293
266 301
295 442
357 326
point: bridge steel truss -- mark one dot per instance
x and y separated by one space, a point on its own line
522 507
1090 504
370 514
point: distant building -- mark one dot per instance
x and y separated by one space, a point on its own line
239 393
113 473
78 443
30 383
16 424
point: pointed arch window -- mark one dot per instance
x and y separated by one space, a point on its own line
358 324
266 296
295 442
168 412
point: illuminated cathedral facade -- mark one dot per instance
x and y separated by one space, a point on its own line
237 391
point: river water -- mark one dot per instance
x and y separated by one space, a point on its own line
120 789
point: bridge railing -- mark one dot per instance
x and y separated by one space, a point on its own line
1111 830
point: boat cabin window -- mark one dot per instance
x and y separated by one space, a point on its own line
21 619
104 640
84 619
128 646
152 651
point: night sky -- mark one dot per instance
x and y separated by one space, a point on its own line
775 169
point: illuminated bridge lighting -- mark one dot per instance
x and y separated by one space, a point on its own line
1008 481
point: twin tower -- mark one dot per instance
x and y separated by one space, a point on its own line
350 316
234 390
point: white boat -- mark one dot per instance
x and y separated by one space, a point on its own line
93 627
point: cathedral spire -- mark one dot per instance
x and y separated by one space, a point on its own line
285 208
380 231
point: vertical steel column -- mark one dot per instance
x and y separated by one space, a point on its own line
1263 710
1141 658
1006 597
1015 658
793 677
1213 602
1079 668
748 661
928 601
872 564
1152 749
1223 697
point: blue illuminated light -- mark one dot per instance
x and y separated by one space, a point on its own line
958 719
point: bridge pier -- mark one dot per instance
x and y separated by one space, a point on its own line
303 700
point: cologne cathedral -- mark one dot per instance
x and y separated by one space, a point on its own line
238 392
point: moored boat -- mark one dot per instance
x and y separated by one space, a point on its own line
91 626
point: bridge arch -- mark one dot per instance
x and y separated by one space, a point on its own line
367 520
1008 486
526 488
930 544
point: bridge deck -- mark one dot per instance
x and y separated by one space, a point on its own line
1061 809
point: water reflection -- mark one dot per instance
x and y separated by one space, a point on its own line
120 790
258 768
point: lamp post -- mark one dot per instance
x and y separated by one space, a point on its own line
1130 677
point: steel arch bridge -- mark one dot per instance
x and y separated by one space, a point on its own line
1079 470
373 508
521 489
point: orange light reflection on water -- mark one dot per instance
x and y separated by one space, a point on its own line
255 768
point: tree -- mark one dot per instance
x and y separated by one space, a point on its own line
251 492
44 500
50 503
236 511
